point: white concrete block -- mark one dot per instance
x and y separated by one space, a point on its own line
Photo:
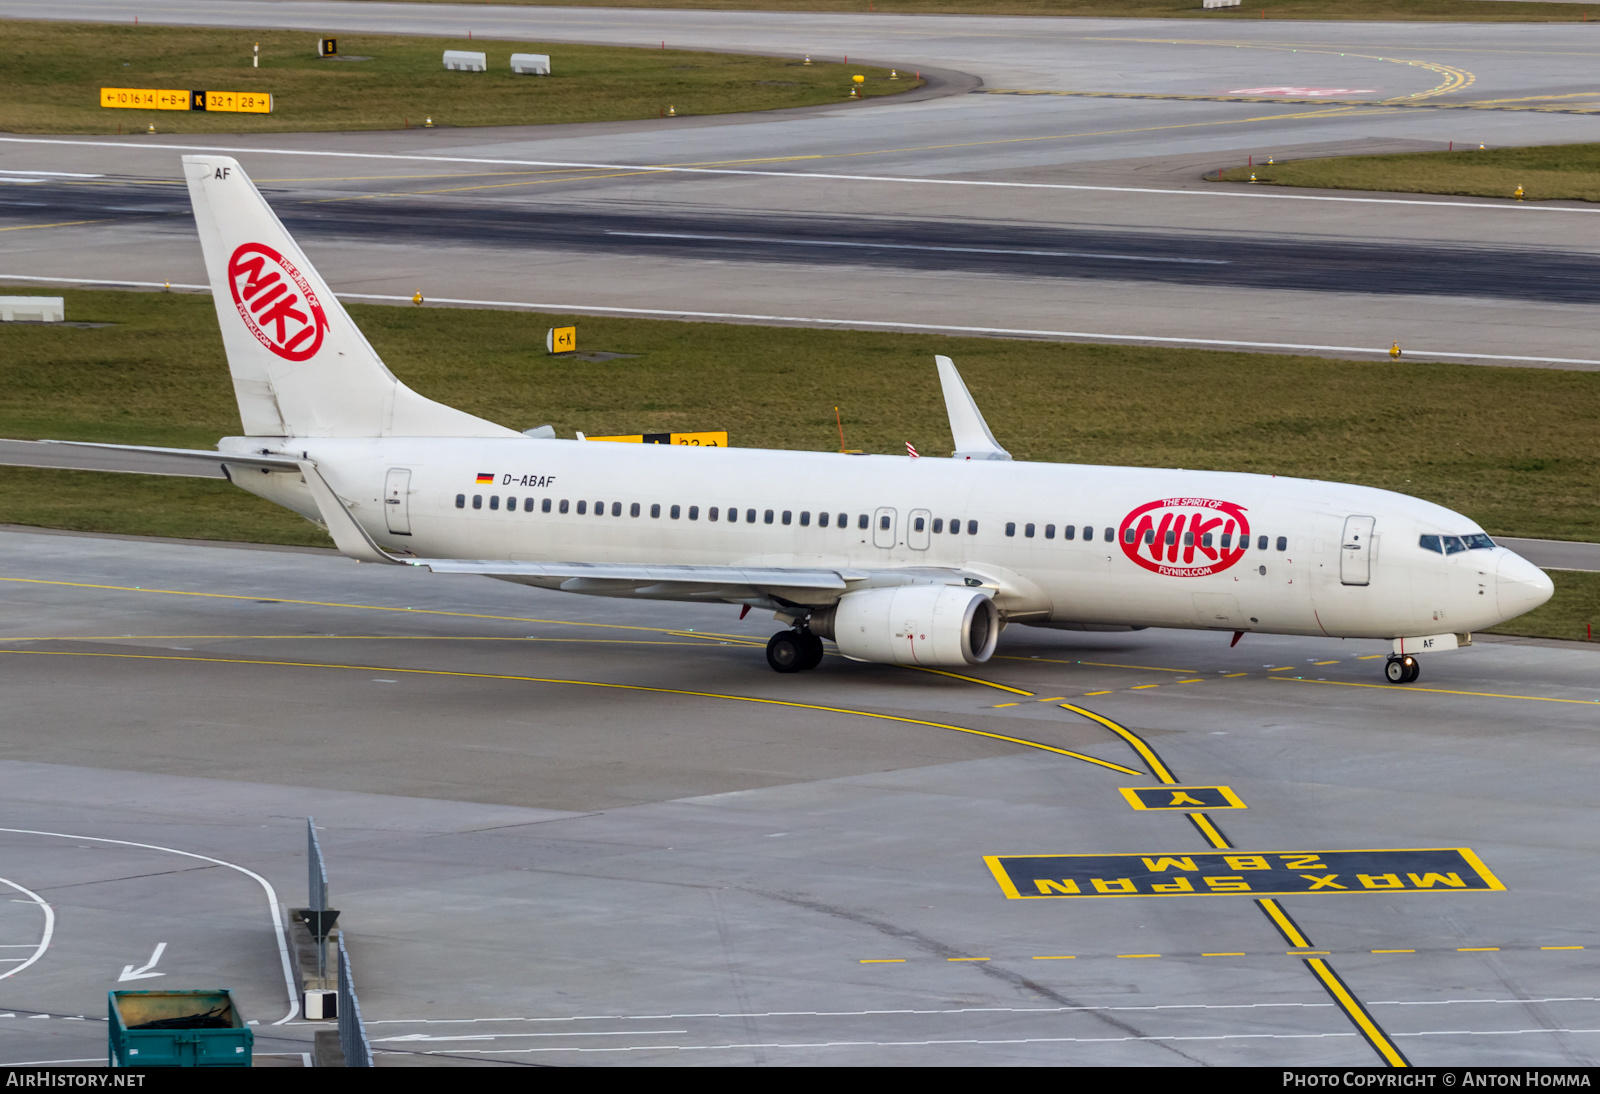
462 60
1221 3
41 309
530 64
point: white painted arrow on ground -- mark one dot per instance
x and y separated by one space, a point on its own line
143 972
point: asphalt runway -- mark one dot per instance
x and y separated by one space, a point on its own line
573 831
1071 137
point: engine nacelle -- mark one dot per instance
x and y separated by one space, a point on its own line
912 625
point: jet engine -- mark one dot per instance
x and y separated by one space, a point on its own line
912 625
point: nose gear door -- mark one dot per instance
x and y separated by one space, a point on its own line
1355 551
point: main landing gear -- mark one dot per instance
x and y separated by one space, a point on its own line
794 651
1398 670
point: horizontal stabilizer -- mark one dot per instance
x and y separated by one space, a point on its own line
971 432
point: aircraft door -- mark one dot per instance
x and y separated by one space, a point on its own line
397 501
883 528
918 535
1355 551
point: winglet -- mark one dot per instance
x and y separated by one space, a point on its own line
348 535
971 432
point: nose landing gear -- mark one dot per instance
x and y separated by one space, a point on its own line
794 651
1398 670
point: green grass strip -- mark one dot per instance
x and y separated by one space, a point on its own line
52 73
1545 172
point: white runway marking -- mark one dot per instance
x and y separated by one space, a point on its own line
44 939
272 901
920 247
904 180
1003 332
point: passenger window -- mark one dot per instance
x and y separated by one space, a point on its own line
1431 543
616 508
938 524
1205 539
750 516
733 515
1027 531
545 506
461 501
1069 531
1011 528
787 516
1129 535
494 501
1049 531
955 527
711 514
919 524
1261 543
583 508
805 518
477 501
766 517
1149 536
844 520
862 523
563 505
883 522
633 510
1111 534
1283 543
1227 540
674 512
1172 537
822 520
694 512
1088 533
511 505
527 505
1188 539
655 510
972 527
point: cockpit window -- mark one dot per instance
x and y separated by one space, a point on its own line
1451 545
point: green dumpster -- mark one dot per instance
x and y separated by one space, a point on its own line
177 1029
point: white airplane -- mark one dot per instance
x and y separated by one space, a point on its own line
903 560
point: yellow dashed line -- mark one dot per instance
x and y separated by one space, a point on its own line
1231 675
966 959
1136 955
1222 955
1561 947
882 961
1090 694
1478 949
1143 687
1057 957
1327 662
1196 680
1442 691
1393 951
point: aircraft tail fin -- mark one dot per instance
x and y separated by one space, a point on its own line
971 432
300 367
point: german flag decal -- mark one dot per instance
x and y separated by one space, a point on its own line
485 478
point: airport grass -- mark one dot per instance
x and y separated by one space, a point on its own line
1573 613
1444 11
51 75
1569 172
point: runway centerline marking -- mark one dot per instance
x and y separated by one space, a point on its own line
581 683
918 247
1253 194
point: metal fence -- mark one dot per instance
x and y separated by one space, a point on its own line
352 1030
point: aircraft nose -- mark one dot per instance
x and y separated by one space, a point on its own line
1520 586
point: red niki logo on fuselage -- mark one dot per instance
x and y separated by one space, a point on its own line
289 323
1185 537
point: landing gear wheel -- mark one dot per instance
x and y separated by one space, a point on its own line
786 652
813 650
1401 670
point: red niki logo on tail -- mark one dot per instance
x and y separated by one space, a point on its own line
1185 537
290 324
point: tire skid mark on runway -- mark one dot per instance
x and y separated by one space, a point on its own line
509 677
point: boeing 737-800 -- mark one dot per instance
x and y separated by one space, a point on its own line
904 560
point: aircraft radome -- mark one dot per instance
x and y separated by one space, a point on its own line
898 559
